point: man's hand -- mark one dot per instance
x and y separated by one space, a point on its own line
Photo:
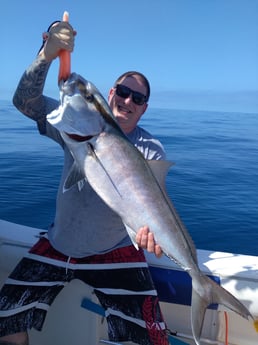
60 37
145 239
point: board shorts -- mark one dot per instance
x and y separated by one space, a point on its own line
120 279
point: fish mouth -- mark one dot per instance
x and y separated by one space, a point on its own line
79 138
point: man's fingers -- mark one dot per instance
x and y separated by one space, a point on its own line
142 237
150 243
158 251
145 239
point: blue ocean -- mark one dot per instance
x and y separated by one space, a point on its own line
213 183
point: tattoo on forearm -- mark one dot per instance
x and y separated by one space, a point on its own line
30 89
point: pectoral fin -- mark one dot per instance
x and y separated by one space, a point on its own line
95 156
75 176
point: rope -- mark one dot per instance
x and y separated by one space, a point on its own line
226 327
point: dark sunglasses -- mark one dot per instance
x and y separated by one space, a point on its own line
124 92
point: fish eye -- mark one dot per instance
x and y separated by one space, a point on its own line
89 97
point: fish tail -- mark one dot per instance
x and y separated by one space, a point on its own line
64 58
206 292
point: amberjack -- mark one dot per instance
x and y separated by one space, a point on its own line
131 186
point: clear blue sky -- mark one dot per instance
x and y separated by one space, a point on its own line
199 54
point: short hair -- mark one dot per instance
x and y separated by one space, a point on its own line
135 73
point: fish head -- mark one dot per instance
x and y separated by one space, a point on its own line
83 111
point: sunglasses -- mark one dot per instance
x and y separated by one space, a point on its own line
124 92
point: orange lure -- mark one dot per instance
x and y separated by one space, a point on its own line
64 58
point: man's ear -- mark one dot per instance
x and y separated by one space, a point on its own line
111 93
145 107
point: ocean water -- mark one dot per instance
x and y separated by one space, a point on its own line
213 184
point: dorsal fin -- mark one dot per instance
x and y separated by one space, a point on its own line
160 170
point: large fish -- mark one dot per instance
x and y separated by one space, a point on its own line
132 186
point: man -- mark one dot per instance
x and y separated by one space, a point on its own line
85 231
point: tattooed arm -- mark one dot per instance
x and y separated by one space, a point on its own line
29 98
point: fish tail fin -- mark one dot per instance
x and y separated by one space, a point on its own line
64 59
216 294
198 310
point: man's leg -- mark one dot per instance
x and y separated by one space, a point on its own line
15 339
123 284
29 291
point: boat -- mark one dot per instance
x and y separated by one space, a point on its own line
76 317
